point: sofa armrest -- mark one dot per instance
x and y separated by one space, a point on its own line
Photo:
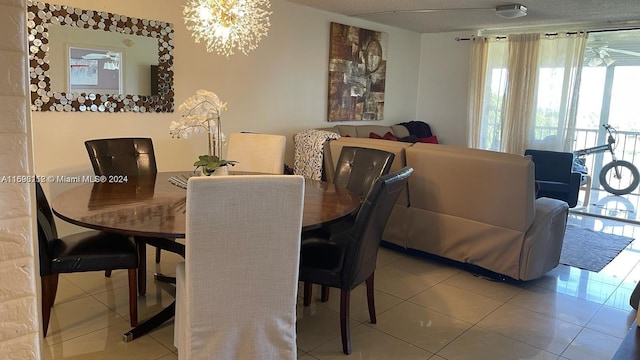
328 167
574 188
543 240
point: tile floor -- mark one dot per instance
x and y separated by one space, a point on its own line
426 310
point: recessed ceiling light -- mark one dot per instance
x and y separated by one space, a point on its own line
511 11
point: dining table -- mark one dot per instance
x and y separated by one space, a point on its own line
152 209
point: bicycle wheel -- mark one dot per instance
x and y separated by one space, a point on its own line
626 183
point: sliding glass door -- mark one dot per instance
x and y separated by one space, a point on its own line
608 94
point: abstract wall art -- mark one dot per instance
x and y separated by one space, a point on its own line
357 73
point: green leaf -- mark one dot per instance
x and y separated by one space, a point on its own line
209 163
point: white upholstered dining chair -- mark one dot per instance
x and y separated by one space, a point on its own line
237 288
260 153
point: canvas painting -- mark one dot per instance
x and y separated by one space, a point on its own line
357 71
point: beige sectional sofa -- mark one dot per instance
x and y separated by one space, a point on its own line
363 131
472 206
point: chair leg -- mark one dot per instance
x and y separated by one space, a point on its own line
142 266
158 255
344 321
107 273
133 297
371 300
49 287
308 290
324 296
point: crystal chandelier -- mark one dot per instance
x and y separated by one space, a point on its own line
228 25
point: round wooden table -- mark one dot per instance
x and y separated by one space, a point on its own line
156 208
153 209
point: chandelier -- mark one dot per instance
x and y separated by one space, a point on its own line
227 26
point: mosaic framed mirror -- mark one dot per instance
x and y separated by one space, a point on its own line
136 52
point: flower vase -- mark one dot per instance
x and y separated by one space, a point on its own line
221 171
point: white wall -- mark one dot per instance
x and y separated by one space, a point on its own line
281 87
19 333
443 87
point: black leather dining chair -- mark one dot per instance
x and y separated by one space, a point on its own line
122 156
347 259
357 170
86 251
132 157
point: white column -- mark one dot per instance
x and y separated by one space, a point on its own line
19 312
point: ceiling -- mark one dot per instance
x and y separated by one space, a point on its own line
480 14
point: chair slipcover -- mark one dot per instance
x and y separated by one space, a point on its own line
258 153
237 288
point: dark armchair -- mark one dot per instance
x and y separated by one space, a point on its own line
348 259
554 176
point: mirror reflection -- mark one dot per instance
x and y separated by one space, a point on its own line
92 70
85 60
115 63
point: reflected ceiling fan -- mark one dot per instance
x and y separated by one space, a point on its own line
113 59
599 52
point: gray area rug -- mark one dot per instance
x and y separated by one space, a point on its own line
590 250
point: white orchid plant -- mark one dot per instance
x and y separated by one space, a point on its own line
201 113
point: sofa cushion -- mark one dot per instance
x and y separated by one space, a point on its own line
408 139
363 131
553 186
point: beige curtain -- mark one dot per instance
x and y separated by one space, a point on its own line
560 62
524 92
519 101
479 54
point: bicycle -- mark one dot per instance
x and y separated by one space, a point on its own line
618 177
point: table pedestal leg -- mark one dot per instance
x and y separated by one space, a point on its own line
151 323
167 313
165 278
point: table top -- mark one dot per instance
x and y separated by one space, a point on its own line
151 206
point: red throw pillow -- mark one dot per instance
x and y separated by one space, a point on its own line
390 136
387 136
430 140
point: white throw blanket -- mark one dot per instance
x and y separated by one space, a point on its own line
309 145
